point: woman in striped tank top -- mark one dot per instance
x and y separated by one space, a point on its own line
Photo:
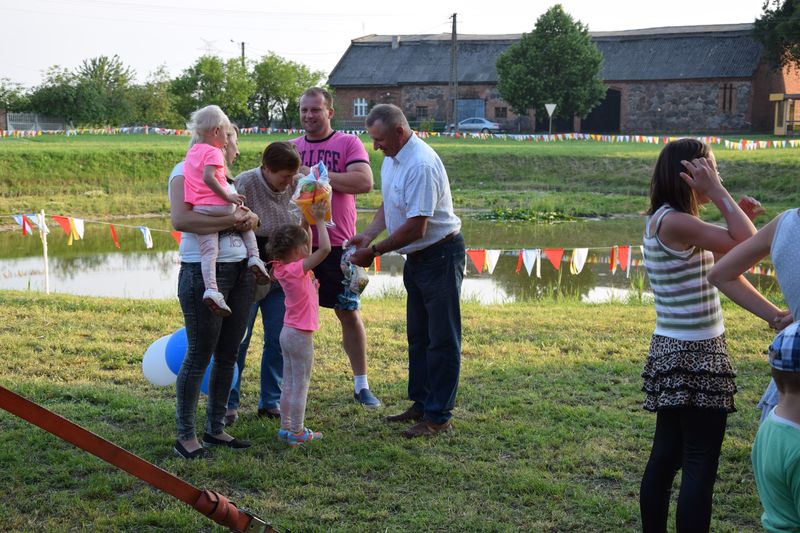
688 378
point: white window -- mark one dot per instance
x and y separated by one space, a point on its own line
360 107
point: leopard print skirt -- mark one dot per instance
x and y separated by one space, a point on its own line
689 374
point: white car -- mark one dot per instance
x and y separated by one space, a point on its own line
476 124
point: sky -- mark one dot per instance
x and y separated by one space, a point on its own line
147 34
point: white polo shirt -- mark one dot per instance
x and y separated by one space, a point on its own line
414 183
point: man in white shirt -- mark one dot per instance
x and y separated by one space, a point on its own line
417 211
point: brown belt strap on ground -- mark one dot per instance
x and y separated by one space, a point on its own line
213 505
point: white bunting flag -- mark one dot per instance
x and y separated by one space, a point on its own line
148 239
530 259
491 259
578 260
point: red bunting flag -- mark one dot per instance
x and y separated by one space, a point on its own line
519 263
64 223
377 264
554 255
26 226
177 236
478 258
622 256
114 235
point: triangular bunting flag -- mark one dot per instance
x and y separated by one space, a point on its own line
519 262
478 258
64 223
491 259
623 256
177 236
554 255
578 260
148 239
612 260
113 235
529 258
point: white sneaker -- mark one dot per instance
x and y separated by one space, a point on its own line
256 266
216 302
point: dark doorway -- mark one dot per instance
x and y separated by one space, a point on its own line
605 117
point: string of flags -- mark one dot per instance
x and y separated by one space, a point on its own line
74 228
615 256
741 145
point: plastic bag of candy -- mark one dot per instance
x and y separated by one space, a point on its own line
355 277
316 187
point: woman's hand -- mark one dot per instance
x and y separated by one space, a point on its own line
246 220
751 207
701 175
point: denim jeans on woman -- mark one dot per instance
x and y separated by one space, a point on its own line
432 279
206 334
272 311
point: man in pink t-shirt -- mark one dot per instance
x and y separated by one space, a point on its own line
348 169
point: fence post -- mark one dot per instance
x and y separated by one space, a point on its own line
43 236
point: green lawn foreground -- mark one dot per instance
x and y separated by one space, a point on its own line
549 434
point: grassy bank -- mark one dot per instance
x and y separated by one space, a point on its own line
549 431
123 175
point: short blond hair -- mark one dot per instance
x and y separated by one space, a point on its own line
205 119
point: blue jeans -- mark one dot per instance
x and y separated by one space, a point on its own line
432 279
208 333
272 311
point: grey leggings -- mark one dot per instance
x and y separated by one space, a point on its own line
298 356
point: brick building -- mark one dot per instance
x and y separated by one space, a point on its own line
711 79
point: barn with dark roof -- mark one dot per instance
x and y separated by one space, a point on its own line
711 79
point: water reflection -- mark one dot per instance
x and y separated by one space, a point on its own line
94 267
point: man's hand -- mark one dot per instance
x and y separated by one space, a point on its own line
359 240
781 320
362 257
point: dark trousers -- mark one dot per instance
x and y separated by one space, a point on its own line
272 311
432 279
206 333
690 439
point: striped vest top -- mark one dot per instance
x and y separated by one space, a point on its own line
687 305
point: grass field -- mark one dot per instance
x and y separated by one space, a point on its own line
549 434
126 175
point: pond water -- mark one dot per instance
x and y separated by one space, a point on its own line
94 266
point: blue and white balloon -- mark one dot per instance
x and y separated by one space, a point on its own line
163 359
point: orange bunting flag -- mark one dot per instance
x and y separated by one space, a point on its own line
478 258
377 264
623 255
519 263
114 235
554 255
612 262
177 236
64 223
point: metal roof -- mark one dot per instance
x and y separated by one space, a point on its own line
673 53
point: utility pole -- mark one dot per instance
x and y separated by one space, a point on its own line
454 75
241 43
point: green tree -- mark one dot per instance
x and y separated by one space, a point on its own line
152 101
555 63
778 29
103 90
278 86
56 96
214 81
13 96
